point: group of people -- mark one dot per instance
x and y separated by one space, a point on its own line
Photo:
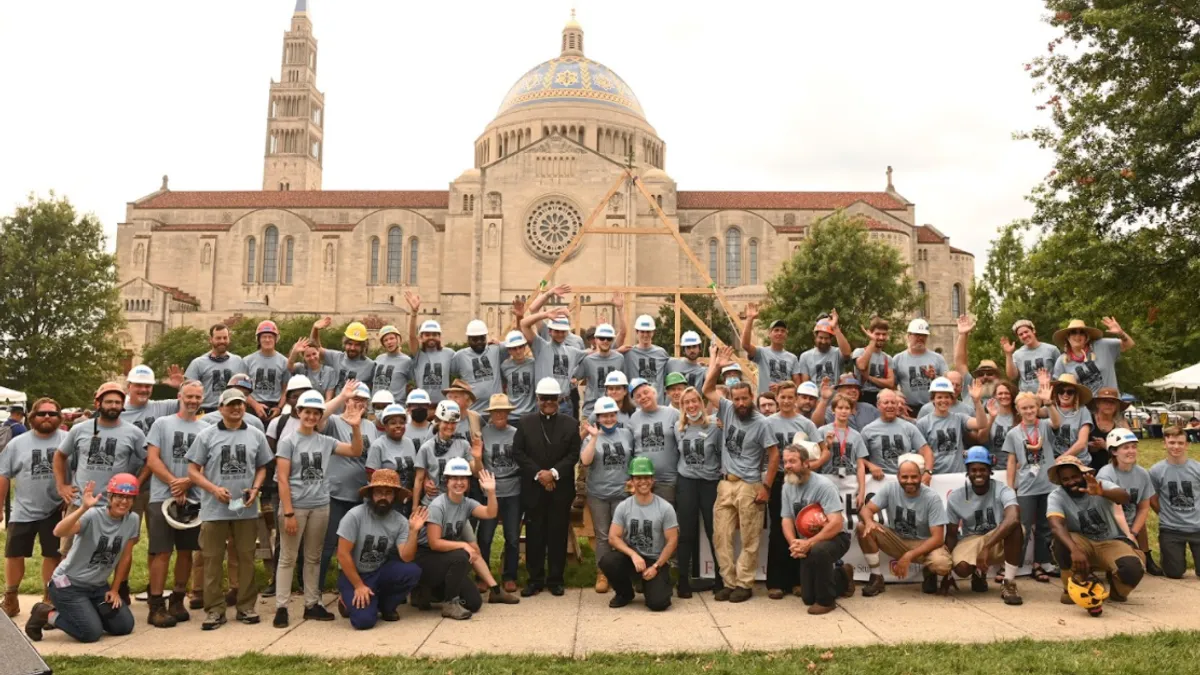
403 467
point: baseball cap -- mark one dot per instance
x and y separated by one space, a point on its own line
231 395
778 323
848 380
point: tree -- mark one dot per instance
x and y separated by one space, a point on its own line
177 346
59 311
706 307
838 266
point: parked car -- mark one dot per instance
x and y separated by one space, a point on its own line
1183 411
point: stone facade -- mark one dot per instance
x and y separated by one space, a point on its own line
562 137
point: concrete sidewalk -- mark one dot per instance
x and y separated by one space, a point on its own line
580 623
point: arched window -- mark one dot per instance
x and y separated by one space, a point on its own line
289 256
956 301
753 261
733 257
712 258
394 254
921 292
412 261
270 273
374 260
251 259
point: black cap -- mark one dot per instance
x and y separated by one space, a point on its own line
778 323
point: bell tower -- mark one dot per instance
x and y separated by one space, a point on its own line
295 113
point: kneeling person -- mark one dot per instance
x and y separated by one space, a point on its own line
373 581
982 541
644 528
812 521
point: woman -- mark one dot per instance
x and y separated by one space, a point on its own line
1066 399
848 451
1003 415
616 387
1029 448
1123 470
611 443
1089 356
699 441
497 458
1107 407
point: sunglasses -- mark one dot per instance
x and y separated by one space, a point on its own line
605 339
1077 331
1066 392
46 413
548 399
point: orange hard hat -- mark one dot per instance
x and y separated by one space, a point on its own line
810 520
109 388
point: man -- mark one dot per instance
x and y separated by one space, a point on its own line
419 428
393 368
516 372
376 549
432 363
216 367
646 359
85 604
1176 481
1085 529
228 461
653 427
689 366
546 447
470 423
863 413
813 555
775 364
991 528
350 364
957 404
643 535
807 397
786 426
305 359
37 507
743 494
890 436
169 441
676 384
553 358
1089 356
872 366
946 432
478 364
914 533
394 451
346 475
139 410
917 366
268 371
1022 365
240 381
380 400
16 419
570 339
595 366
823 361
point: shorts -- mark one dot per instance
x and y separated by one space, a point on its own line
20 537
164 538
142 500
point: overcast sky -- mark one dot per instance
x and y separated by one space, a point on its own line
103 98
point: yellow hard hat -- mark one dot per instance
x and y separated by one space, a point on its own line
1088 593
356 331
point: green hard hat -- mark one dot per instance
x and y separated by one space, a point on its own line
641 466
674 379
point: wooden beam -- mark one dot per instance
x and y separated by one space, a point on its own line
749 368
601 229
562 258
643 290
678 302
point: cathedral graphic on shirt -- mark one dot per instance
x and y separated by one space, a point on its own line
904 522
41 463
383 377
180 444
1032 366
778 370
520 383
646 368
1180 495
102 453
502 456
431 376
481 368
561 367
693 451
613 454
985 521
1088 374
218 378
947 441
266 380
452 531
653 438
891 447
641 535
106 552
311 470
374 550
233 461
1091 523
734 438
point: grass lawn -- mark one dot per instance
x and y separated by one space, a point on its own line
1118 655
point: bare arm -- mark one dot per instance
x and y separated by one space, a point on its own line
961 361
314 336
748 330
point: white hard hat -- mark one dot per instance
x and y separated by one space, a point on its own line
299 382
476 328
391 411
383 396
141 374
605 404
515 339
362 391
311 399
616 379
918 326
548 386
418 397
941 385
731 368
644 322
1120 436
689 339
559 324
448 411
605 330
457 467
808 388
183 516
430 326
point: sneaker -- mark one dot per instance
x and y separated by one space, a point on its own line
601 583
740 594
269 591
12 604
619 601
722 594
501 597
453 609
213 621
249 618
1009 594
979 582
930 583
317 613
38 616
281 618
176 608
847 572
874 586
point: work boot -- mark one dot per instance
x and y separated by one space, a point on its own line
874 586
1009 594
12 604
740 594
317 613
722 594
39 614
601 583
847 572
176 607
979 582
1152 567
197 601
929 585
159 618
498 596
123 591
453 609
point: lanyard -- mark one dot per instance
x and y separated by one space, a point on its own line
841 438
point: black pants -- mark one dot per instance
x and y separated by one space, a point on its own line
546 527
1172 551
620 571
781 573
820 581
694 500
444 575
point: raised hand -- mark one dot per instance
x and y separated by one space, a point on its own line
477 447
419 516
89 499
413 300
323 323
826 389
830 439
487 481
300 345
559 313
560 290
833 319
726 356
618 300
518 307
976 390
1110 323
1093 486
1043 376
348 390
966 324
174 375
590 428
867 334
353 415
751 311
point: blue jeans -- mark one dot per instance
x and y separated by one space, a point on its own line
84 615
390 584
337 510
566 408
510 515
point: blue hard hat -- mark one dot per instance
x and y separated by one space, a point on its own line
979 455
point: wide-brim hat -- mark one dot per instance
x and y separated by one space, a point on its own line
385 478
1066 460
1068 380
984 366
460 385
500 402
1060 336
1110 394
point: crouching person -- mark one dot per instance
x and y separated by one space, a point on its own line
991 528
374 582
85 604
643 536
812 521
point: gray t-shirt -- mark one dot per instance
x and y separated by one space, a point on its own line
399 456
144 416
653 437
323 379
746 442
269 374
914 373
282 426
518 384
433 455
784 429
1089 515
592 370
452 517
431 372
817 365
97 548
173 436
481 371
1001 423
1033 465
979 514
213 417
376 538
229 458
1068 432
392 373
610 468
848 448
693 371
864 414
1136 482
700 450
886 441
572 340
347 475
879 366
945 437
498 458
910 517
214 375
644 526
419 435
309 456
1177 485
816 490
963 407
28 462
97 453
773 366
1098 369
345 369
650 364
1029 361
552 359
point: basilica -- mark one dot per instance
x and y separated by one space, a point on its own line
558 142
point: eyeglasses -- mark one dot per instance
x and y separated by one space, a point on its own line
46 413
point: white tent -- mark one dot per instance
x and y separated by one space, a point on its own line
11 396
1188 378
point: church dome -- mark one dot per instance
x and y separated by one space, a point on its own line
571 79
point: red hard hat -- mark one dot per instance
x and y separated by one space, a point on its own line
810 520
109 388
123 484
266 327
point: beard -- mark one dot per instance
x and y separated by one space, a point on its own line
109 414
989 390
791 478
44 426
743 413
381 507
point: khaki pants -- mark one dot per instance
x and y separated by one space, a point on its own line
968 549
64 543
937 560
736 510
244 535
1114 556
310 526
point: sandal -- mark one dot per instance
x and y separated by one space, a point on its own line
1039 575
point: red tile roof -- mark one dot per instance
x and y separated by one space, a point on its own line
328 199
180 296
959 250
872 224
927 236
786 200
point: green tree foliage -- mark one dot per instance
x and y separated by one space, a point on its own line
838 266
59 310
177 346
706 307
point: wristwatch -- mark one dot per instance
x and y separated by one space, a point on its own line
928 472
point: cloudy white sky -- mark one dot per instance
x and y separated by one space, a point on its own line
103 98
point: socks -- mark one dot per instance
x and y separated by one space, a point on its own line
872 562
1010 572
50 618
